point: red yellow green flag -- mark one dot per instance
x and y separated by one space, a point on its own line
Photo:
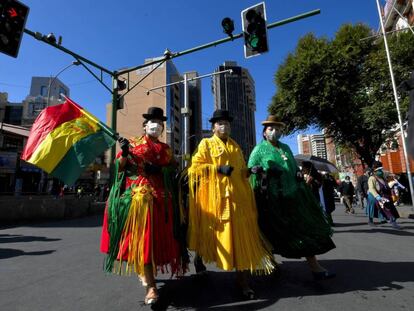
65 139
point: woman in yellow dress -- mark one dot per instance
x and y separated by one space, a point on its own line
223 224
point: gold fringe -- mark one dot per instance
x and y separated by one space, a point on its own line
204 202
142 203
220 230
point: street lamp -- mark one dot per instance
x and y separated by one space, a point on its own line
51 81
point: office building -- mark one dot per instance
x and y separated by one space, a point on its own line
312 144
44 91
235 92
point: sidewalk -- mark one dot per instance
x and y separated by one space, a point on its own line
406 211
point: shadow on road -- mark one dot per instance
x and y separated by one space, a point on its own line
217 290
386 230
17 238
10 252
90 221
340 225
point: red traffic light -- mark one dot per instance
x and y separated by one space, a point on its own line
12 12
13 15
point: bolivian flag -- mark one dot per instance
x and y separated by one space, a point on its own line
65 139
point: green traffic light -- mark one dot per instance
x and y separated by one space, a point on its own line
254 41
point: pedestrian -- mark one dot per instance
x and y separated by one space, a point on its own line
362 187
222 211
289 214
396 189
347 191
328 188
380 203
139 222
313 179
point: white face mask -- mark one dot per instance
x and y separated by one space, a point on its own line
273 135
224 129
153 129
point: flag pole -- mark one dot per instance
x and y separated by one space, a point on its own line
394 87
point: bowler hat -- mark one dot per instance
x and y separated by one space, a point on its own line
221 114
154 113
272 119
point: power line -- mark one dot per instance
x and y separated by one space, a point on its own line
14 85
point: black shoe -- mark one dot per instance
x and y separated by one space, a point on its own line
200 268
248 294
324 275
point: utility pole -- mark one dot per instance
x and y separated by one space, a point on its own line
397 104
186 110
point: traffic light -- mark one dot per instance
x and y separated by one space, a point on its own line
228 26
13 16
254 30
120 85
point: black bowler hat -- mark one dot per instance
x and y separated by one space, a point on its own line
220 114
154 113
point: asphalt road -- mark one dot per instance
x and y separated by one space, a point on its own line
57 266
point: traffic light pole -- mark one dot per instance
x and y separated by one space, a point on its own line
167 55
224 40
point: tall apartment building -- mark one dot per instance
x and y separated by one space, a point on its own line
170 99
318 145
313 144
304 144
235 92
40 96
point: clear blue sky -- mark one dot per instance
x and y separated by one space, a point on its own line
119 34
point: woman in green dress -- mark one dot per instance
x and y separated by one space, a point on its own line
289 215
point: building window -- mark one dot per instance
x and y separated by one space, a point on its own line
43 90
37 108
62 91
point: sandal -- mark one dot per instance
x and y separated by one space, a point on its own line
151 299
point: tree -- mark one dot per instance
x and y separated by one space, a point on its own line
343 85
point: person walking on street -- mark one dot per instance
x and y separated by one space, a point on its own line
313 179
380 203
362 188
396 189
141 218
328 188
290 216
347 191
223 224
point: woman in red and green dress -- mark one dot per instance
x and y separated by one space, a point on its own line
140 221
